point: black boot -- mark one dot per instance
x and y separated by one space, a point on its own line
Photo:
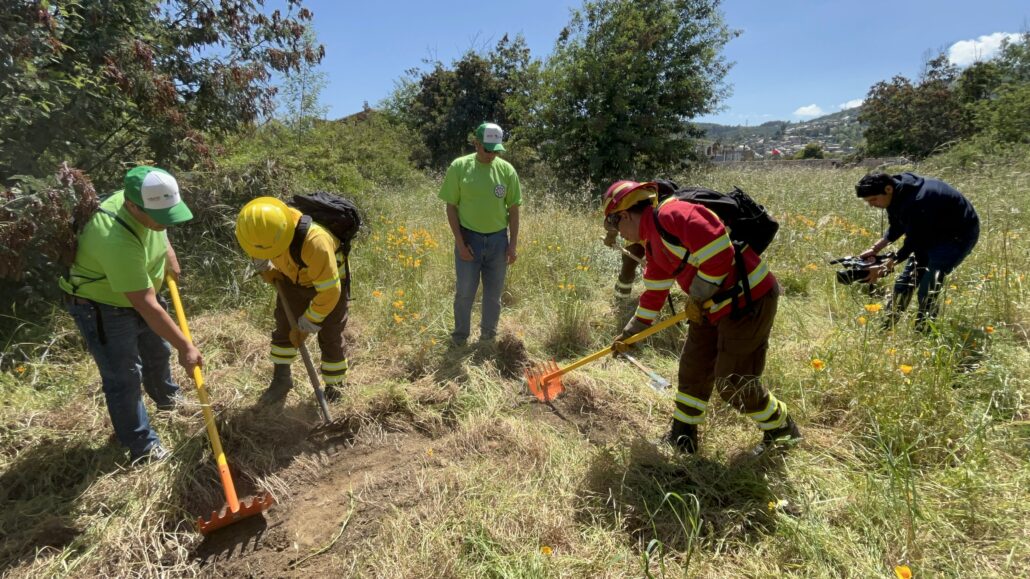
785 436
683 436
332 392
279 388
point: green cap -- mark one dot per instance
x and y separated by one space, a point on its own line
157 193
490 135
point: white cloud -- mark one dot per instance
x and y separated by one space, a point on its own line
851 104
966 52
812 110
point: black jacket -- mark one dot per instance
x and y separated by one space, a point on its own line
928 212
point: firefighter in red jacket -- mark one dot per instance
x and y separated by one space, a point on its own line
728 335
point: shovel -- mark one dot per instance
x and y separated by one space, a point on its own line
234 510
657 381
323 407
544 381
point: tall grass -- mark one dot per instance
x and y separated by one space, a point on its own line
915 450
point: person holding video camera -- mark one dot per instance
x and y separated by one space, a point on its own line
940 228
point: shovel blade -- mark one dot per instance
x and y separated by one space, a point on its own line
226 517
544 381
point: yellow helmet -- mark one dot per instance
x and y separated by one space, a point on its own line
265 227
625 194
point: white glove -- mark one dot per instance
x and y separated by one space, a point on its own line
307 326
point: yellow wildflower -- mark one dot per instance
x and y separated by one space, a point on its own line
861 320
398 304
377 294
545 550
873 308
989 329
418 263
399 293
905 369
20 369
947 302
892 351
398 319
903 572
818 364
811 267
429 451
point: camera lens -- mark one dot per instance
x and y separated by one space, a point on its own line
851 275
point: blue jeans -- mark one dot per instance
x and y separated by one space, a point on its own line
924 272
489 262
127 353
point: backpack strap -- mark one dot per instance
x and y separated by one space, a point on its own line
299 234
742 285
669 237
69 276
121 222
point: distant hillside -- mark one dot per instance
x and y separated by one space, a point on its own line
839 132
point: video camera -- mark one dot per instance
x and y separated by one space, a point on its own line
857 269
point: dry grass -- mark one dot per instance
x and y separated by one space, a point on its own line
454 472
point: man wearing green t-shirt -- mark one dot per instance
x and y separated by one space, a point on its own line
111 293
483 195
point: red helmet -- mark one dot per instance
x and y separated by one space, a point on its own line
625 194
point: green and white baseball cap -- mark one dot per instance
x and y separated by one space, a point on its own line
157 193
490 135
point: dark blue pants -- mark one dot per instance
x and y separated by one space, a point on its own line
128 353
924 274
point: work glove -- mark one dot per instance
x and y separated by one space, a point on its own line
610 237
260 265
271 276
633 327
297 337
303 329
692 309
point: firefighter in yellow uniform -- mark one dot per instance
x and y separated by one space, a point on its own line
265 229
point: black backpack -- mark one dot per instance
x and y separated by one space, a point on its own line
748 222
340 216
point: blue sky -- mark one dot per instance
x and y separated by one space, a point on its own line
794 59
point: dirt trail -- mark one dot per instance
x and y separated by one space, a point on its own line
364 481
361 483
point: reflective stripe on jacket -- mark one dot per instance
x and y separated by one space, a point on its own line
711 256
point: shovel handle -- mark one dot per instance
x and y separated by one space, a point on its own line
670 321
205 404
305 355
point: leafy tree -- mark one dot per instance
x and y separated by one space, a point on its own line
810 151
98 82
299 100
887 113
916 120
624 79
443 105
998 92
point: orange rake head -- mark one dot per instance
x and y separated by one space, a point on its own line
545 381
225 517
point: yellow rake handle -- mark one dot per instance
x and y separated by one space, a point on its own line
672 320
205 405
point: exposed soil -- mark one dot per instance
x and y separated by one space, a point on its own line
371 470
362 483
